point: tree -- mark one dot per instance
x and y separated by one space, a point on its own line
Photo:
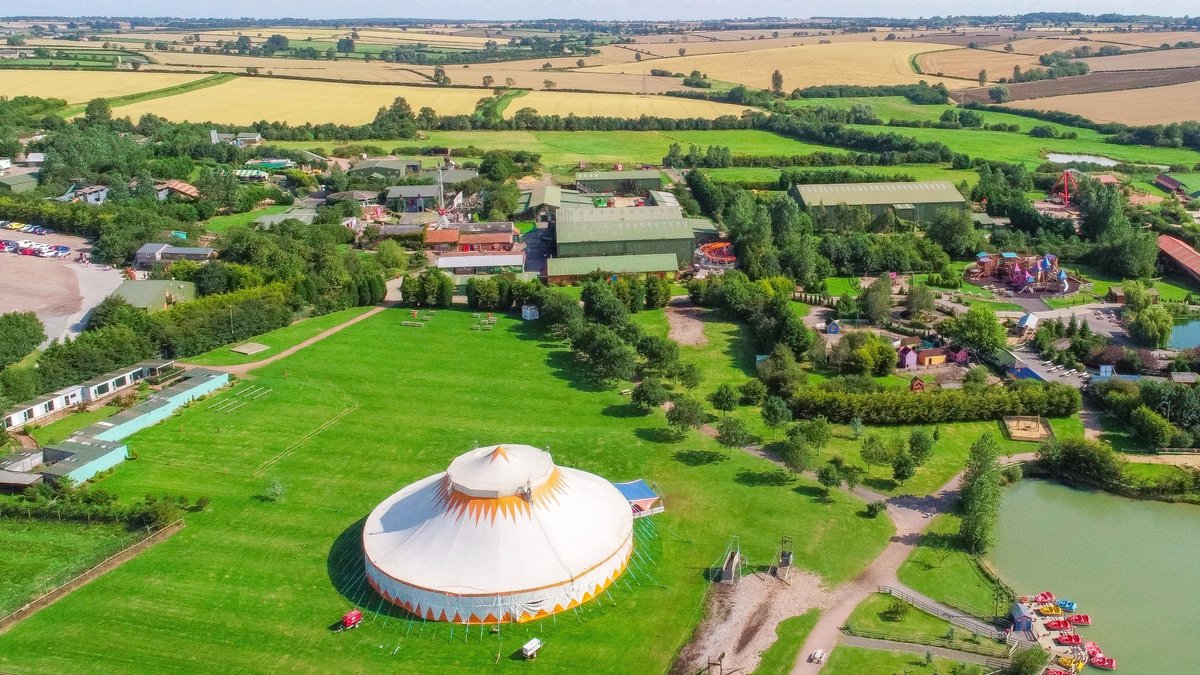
649 394
874 453
977 329
999 94
851 475
976 379
725 398
688 375
488 80
601 304
830 477
983 78
903 466
97 111
345 45
816 431
876 301
856 426
847 307
980 496
1152 327
685 414
919 300
20 334
753 392
775 412
606 356
661 354
953 230
1137 296
637 56
777 83
682 51
920 445
732 432
797 455
391 256
549 84
497 165
579 63
1029 661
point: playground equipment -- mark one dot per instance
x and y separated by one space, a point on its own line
1065 186
731 562
1023 274
783 559
716 254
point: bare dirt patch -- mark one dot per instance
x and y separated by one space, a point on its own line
686 322
741 618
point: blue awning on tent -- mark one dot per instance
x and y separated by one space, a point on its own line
981 255
635 490
1008 254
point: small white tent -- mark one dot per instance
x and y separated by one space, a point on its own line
502 535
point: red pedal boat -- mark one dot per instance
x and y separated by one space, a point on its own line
1092 649
1069 639
1054 671
1105 662
1080 619
1043 597
1058 624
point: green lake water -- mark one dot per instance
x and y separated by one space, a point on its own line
1134 566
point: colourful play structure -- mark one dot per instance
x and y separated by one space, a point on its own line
716 254
1039 275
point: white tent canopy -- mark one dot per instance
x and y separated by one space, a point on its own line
502 535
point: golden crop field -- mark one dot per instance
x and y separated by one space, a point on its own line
618 105
1154 105
246 100
1040 45
1170 58
339 70
967 63
81 87
570 79
855 63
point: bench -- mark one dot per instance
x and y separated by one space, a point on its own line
414 324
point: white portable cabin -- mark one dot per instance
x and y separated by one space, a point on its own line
31 411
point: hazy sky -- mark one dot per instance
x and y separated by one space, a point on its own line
592 9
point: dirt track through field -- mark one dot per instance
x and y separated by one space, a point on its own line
686 324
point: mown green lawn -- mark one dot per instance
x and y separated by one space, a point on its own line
40 555
278 340
855 661
916 626
916 171
219 224
939 569
780 657
253 585
63 429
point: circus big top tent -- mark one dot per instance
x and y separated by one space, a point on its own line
502 535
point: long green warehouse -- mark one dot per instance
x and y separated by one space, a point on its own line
910 201
630 231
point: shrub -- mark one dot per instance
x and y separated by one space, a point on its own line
876 508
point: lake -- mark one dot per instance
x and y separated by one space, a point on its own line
1133 565
1064 158
1185 335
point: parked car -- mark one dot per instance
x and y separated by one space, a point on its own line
28 229
60 247
40 230
28 251
7 246
14 225
24 243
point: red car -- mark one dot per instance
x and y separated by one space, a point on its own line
28 251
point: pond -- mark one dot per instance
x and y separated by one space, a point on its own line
1134 566
1185 335
1065 158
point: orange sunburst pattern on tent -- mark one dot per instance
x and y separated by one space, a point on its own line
508 506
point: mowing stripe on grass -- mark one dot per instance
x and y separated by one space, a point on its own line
304 439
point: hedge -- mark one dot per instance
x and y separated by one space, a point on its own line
944 405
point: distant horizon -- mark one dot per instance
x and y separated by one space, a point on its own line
618 10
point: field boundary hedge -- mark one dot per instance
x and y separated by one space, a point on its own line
89 575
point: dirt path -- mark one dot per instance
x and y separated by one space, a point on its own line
392 299
686 324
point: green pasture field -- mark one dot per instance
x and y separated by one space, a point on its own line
40 555
917 171
567 148
219 224
780 657
1170 289
845 660
940 569
253 585
278 340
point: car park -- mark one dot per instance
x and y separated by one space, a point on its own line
27 229
15 225
24 243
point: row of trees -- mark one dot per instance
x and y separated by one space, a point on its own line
944 405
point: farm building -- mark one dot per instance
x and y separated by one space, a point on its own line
502 536
89 194
542 204
240 140
154 295
909 201
1172 185
570 270
611 215
465 263
661 198
412 198
1185 258
932 357
166 188
592 237
1026 325
363 197
620 182
33 159
499 236
384 168
81 458
17 183
149 254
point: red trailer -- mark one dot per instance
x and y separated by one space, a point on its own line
351 619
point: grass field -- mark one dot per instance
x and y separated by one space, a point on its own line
859 63
62 429
918 626
916 171
855 661
40 555
942 571
1155 105
219 224
780 657
278 340
253 585
619 105
81 87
